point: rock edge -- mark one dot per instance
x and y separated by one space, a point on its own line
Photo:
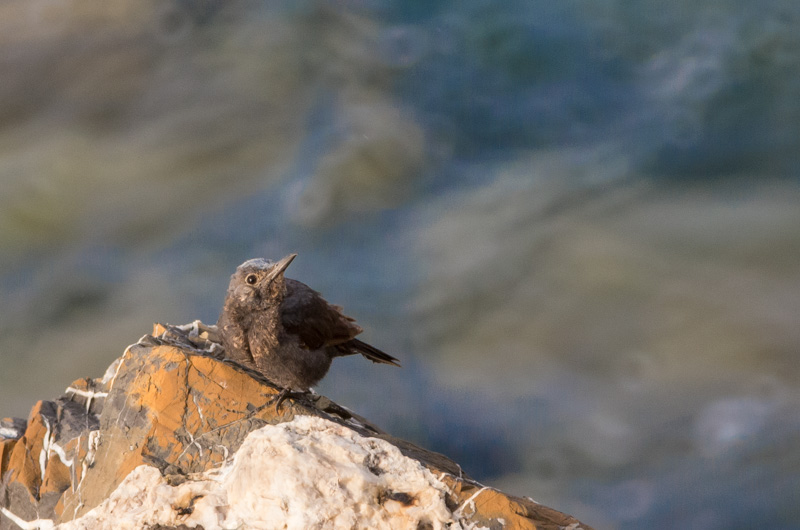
171 402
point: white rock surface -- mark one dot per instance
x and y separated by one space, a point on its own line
309 473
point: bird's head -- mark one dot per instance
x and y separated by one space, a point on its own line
259 283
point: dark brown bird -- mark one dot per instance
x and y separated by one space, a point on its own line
284 329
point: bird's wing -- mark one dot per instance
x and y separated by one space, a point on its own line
306 314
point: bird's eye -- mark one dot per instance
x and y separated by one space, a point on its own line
251 279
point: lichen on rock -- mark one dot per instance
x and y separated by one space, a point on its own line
175 435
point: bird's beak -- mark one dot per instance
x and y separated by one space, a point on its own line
278 268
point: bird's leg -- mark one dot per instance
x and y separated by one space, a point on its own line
281 396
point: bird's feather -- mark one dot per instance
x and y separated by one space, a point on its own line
370 352
318 324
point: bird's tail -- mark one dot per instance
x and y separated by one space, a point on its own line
370 352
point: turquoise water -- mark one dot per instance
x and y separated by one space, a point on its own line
576 223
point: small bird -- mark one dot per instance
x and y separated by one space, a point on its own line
284 329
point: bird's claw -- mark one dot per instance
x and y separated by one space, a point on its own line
283 395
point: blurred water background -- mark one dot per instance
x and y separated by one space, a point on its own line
577 223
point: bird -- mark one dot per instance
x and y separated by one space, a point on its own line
285 330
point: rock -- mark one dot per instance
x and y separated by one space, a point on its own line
174 436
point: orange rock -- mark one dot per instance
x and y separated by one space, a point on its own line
6 446
24 463
170 403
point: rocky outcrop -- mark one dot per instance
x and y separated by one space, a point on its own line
174 436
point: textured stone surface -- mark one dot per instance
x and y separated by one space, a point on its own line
171 403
